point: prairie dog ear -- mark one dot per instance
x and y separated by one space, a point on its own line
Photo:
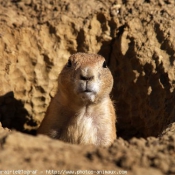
105 64
69 63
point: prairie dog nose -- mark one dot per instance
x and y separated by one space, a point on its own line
86 74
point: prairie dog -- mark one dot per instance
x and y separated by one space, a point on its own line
81 111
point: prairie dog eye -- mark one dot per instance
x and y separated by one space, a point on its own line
104 64
69 63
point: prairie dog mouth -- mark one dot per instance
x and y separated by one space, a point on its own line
88 95
88 91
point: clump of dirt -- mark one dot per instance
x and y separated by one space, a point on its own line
44 155
143 64
137 39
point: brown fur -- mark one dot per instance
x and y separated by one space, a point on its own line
82 111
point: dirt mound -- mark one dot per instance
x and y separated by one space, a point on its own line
42 155
137 40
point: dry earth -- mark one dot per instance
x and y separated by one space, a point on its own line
136 37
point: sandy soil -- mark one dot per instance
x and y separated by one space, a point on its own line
137 39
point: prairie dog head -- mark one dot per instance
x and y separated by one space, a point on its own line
85 79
